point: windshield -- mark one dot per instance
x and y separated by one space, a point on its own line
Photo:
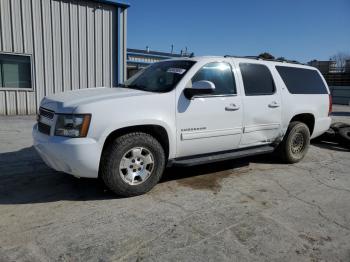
159 77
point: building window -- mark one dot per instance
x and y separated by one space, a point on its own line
257 79
15 71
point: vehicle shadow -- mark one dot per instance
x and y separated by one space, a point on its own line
25 179
331 145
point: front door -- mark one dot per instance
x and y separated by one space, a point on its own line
210 123
262 105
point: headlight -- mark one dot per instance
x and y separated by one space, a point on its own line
72 125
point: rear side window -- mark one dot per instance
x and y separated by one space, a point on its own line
301 80
257 79
220 74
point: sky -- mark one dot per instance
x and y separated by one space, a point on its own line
295 29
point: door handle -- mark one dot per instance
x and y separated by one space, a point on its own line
232 107
274 104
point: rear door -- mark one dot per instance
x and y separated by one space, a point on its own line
261 103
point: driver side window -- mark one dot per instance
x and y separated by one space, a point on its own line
220 74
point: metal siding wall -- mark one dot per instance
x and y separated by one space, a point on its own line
121 43
57 46
99 46
47 45
90 32
38 55
66 56
73 45
125 30
114 43
2 103
28 45
82 11
6 46
106 40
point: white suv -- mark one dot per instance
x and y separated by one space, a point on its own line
183 112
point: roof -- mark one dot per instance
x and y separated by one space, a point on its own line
245 59
114 2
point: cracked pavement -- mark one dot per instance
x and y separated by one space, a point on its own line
253 209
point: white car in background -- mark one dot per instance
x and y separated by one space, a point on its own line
185 112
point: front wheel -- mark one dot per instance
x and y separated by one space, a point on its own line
295 144
132 164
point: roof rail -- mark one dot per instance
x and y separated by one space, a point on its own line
236 56
265 59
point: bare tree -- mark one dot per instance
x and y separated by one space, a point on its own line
340 58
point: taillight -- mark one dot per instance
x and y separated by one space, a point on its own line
330 105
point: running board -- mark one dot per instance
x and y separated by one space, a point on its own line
221 156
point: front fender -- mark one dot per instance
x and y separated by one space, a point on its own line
169 129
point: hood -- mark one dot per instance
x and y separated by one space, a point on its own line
66 102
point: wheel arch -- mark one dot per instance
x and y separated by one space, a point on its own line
157 131
307 118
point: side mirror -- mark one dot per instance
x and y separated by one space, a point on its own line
199 88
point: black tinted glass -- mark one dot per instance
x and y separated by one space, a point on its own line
220 74
302 81
15 71
257 79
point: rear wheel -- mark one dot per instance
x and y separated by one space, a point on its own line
338 125
295 143
344 136
132 164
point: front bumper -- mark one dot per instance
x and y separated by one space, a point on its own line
76 156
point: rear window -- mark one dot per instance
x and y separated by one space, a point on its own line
257 79
301 80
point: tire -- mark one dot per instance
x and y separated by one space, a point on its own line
295 143
344 136
132 164
338 125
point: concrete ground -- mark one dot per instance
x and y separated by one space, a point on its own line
254 209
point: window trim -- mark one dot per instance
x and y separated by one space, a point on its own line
31 72
258 94
217 95
213 96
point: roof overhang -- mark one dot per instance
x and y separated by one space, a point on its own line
114 2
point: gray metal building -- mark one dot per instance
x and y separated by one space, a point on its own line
50 46
138 58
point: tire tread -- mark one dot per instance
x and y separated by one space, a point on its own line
107 163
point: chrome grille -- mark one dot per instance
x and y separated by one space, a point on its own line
46 113
45 120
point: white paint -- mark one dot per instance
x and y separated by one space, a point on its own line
200 125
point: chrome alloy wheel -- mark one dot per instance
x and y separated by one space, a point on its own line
136 166
298 143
